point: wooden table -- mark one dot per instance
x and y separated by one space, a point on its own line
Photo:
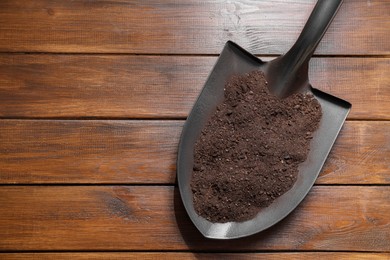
93 97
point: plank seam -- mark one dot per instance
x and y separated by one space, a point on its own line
171 184
97 118
190 251
385 56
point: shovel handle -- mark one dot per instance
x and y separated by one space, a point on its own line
315 28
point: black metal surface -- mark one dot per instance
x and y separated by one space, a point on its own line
235 60
289 73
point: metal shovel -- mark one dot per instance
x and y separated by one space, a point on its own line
285 75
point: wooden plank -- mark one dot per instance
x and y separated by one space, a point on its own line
159 86
169 26
36 151
331 218
361 155
47 151
197 256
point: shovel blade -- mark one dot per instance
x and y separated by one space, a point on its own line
232 61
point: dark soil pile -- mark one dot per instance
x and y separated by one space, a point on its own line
249 152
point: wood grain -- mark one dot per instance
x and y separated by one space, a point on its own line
331 218
36 151
360 155
112 59
79 86
197 256
47 151
114 26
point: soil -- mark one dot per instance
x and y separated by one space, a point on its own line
249 151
